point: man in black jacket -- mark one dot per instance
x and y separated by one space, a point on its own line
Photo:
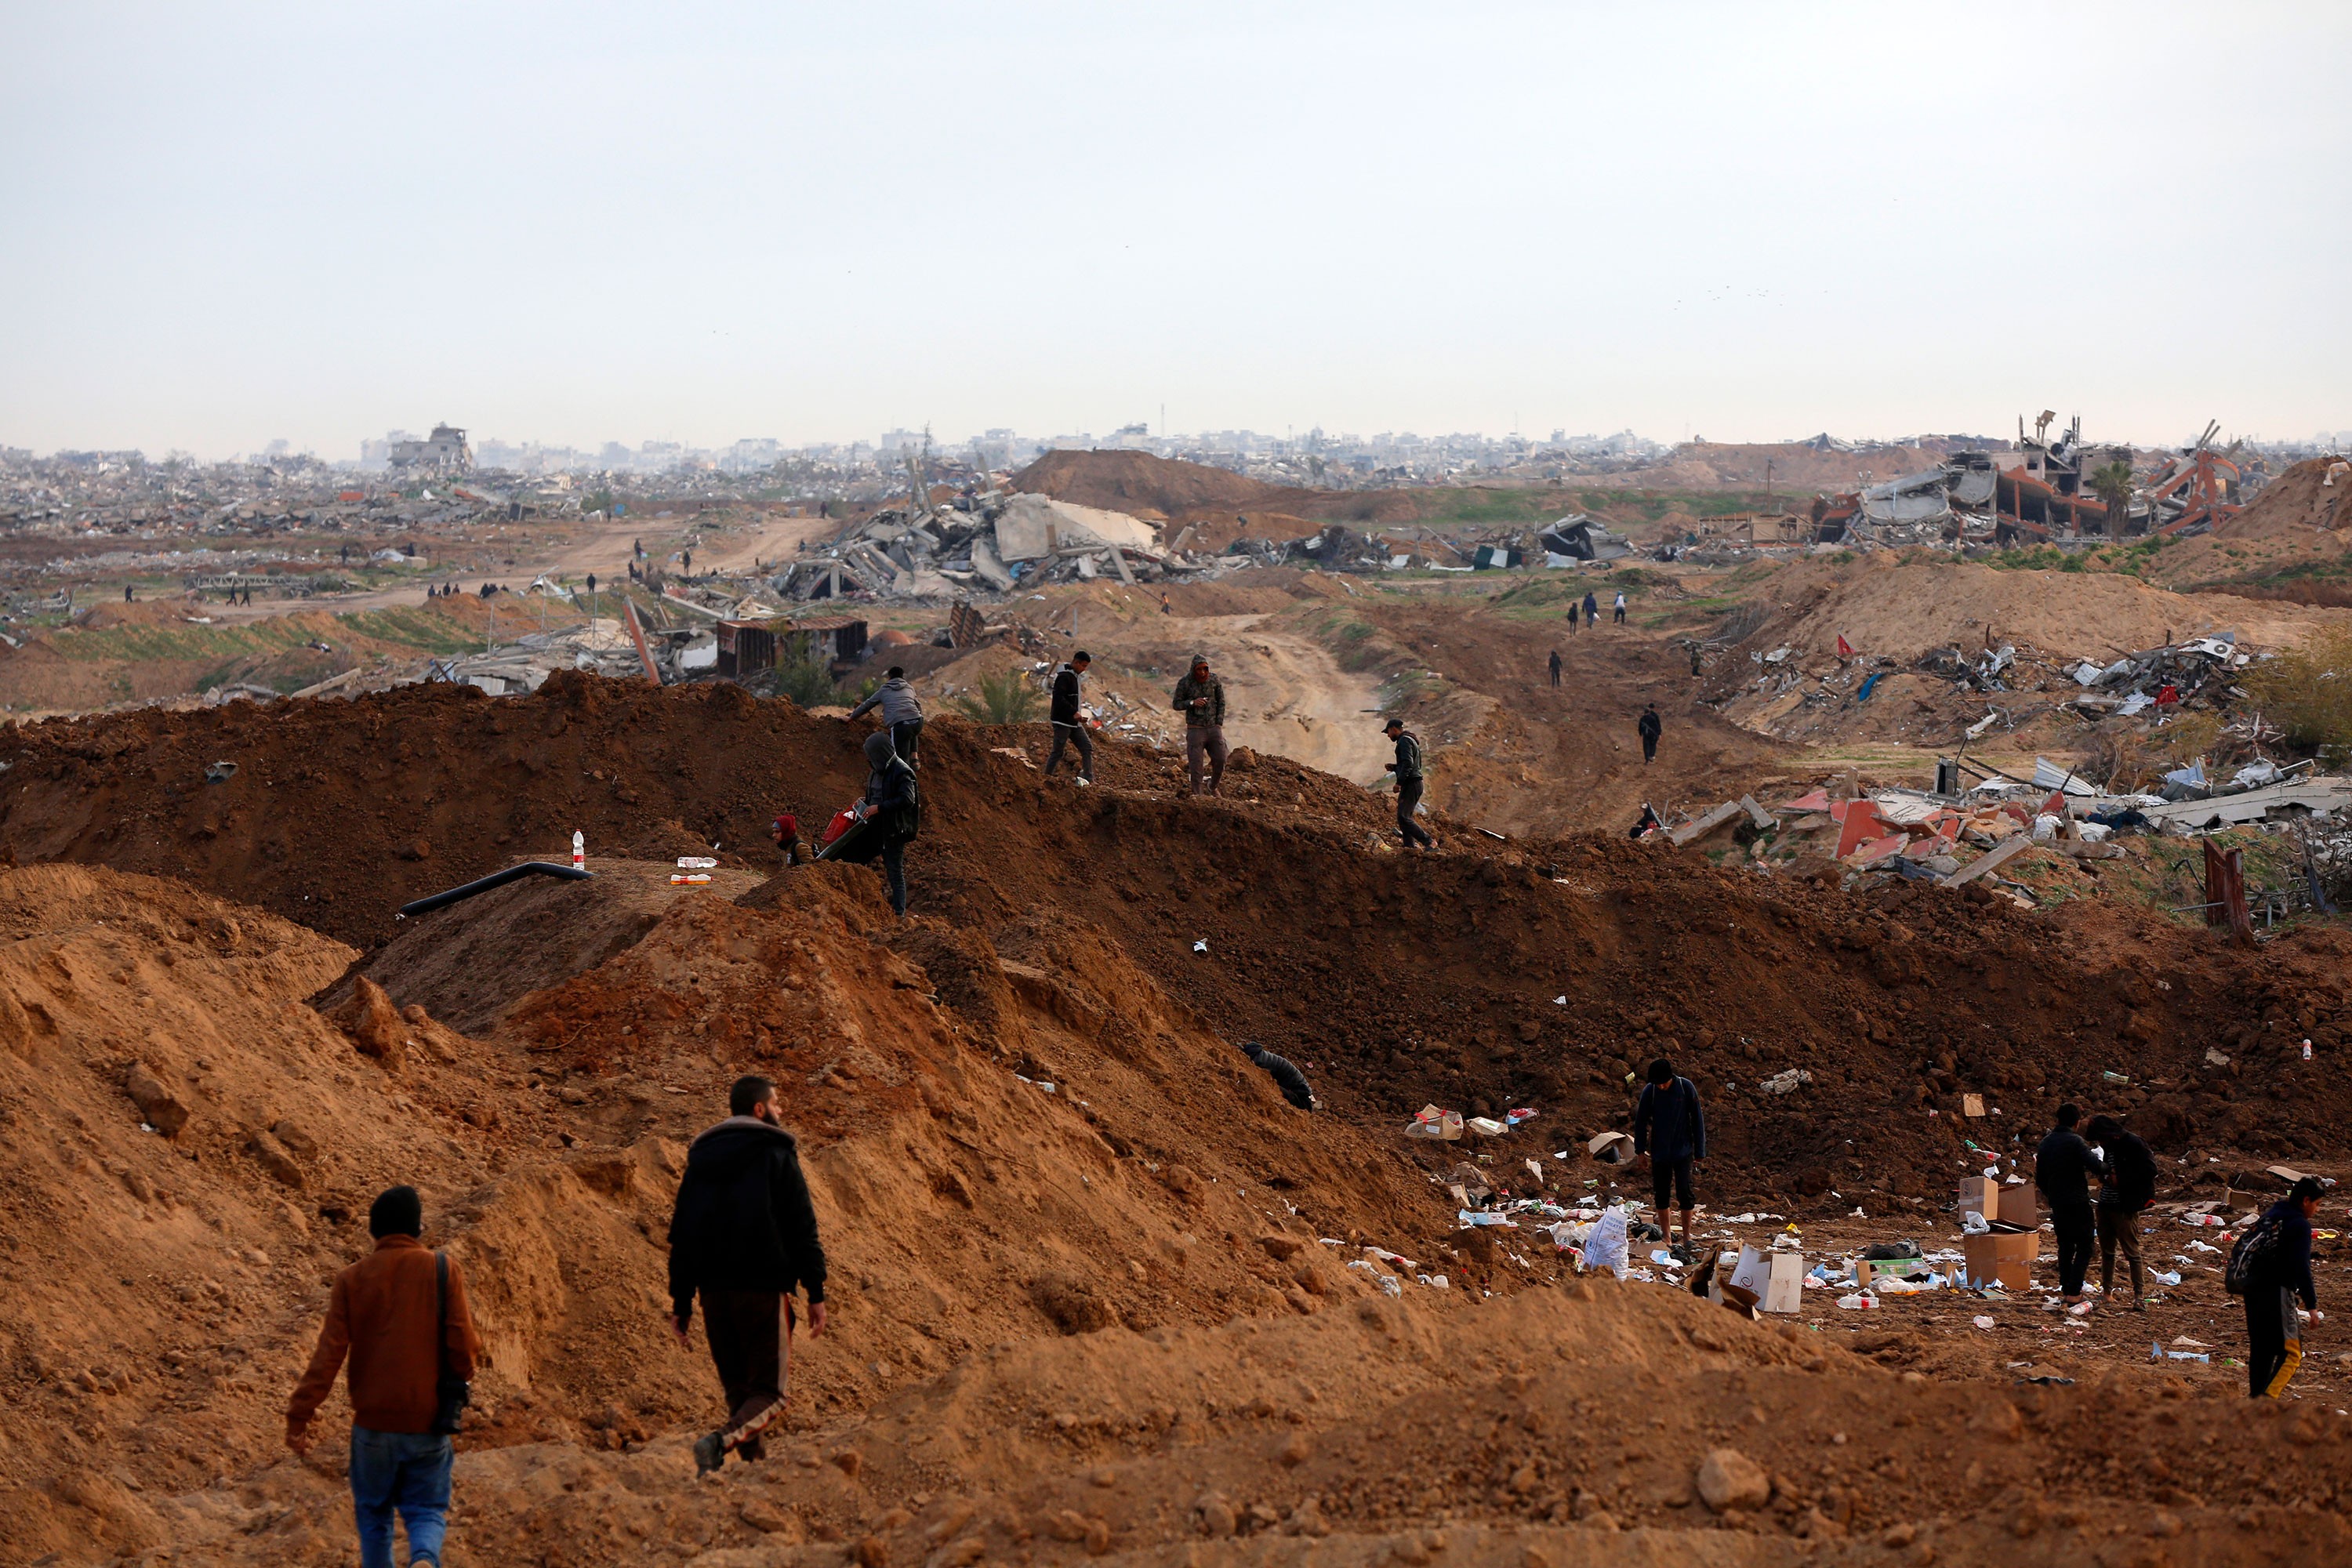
1670 1128
1069 719
1286 1074
1407 768
2129 1188
2063 1168
743 1234
1649 727
2274 1327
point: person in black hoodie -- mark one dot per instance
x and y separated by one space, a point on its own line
2274 1329
743 1236
2129 1188
1069 721
1284 1073
1670 1129
891 809
2063 1168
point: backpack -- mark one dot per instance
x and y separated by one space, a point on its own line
2251 1257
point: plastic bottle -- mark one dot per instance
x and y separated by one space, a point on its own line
2306 1050
579 850
1863 1304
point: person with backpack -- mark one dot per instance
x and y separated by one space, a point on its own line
2124 1197
1619 617
743 1236
2063 1168
400 1315
2270 1267
1670 1130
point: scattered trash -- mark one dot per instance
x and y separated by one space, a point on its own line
219 773
1858 1303
1201 944
1981 1322
1432 1122
1784 1082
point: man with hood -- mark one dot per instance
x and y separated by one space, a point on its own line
902 712
1649 727
890 811
743 1236
1592 609
1201 697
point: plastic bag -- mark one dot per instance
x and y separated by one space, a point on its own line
1975 1224
1604 1243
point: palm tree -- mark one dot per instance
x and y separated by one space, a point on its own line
2113 485
1003 699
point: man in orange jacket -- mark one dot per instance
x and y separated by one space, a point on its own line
403 1332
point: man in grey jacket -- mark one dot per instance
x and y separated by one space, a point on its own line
902 712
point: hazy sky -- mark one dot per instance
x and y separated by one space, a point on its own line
576 223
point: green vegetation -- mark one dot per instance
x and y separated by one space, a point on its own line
2308 693
420 629
802 674
1006 698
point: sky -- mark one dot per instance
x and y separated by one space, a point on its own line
570 224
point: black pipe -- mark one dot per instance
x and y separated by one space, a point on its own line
425 906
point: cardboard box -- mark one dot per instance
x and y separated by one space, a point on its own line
1776 1279
1972 1105
2020 1205
1867 1269
2005 1258
1784 1289
1981 1195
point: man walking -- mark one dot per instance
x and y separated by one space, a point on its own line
1555 666
902 712
1670 1128
1201 697
743 1236
1649 727
2063 1168
1407 768
1571 615
1592 609
2128 1190
1069 718
400 1315
1618 618
2280 1271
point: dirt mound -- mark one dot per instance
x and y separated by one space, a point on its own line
2290 542
1884 608
1030 1282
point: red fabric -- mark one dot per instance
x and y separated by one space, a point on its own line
1844 649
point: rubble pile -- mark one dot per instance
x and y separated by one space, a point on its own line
987 542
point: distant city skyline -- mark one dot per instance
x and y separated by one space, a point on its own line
814 223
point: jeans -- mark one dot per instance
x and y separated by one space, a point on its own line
1072 734
402 1471
2076 1235
905 738
1204 752
1408 796
894 868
